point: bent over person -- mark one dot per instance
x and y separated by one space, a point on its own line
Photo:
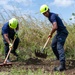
60 37
9 32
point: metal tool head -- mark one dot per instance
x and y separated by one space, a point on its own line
5 64
40 54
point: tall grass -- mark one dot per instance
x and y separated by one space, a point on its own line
33 34
70 42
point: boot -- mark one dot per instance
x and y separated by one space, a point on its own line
60 68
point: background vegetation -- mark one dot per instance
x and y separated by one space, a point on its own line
33 33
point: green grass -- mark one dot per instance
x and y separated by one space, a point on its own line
15 71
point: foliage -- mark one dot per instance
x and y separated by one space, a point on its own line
33 33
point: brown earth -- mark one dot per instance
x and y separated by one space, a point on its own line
36 63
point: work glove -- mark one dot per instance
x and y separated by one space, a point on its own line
10 45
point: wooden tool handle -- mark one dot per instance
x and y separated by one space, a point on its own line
7 55
46 43
8 52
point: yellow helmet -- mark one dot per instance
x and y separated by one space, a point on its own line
44 8
13 23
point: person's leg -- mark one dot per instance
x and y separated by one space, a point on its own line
16 43
54 47
60 43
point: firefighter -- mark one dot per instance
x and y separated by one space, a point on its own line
9 32
60 37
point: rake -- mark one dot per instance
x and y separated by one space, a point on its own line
5 63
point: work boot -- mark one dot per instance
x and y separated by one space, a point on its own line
60 68
14 53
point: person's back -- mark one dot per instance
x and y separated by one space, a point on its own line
55 18
7 30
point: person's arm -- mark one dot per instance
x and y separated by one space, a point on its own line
6 38
54 28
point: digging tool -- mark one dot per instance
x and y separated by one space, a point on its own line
42 53
5 63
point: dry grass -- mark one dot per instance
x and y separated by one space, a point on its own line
33 33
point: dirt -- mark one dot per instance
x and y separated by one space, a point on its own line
36 63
